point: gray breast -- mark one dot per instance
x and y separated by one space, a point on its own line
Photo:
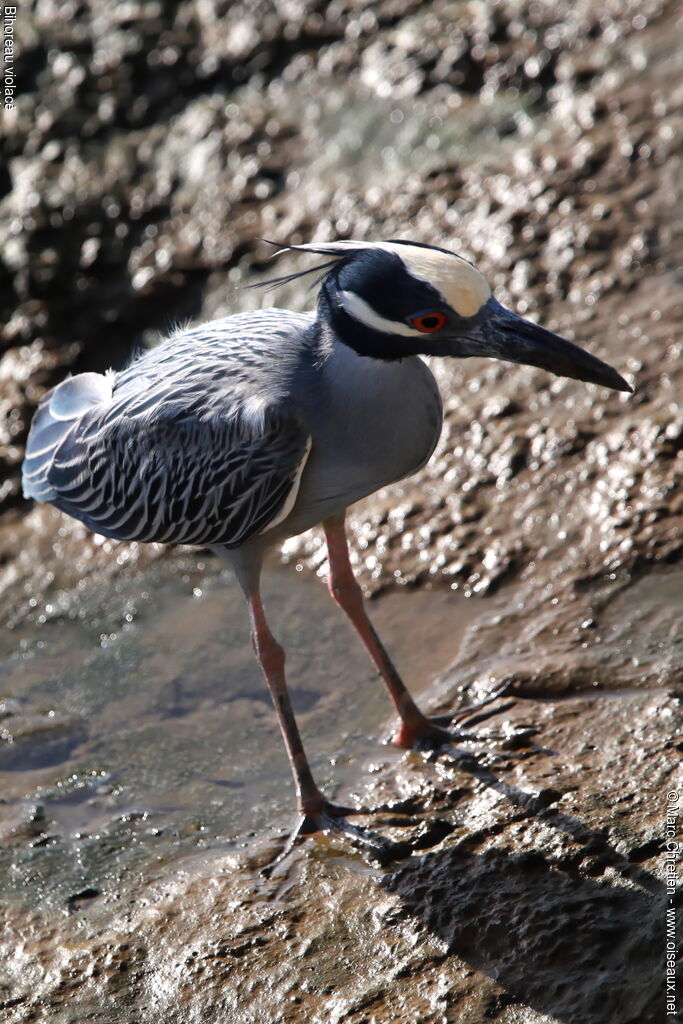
372 422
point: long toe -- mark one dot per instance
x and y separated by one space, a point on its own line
325 819
426 734
419 732
332 820
504 690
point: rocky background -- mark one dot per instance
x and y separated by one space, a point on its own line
151 147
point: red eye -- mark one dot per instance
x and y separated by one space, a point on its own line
427 322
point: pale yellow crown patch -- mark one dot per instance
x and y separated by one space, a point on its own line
464 288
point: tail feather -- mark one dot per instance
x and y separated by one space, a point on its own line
55 418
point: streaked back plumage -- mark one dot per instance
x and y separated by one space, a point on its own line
195 442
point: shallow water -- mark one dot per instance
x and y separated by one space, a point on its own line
129 745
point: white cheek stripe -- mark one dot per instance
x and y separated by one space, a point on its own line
360 310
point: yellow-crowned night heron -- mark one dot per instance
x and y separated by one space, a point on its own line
245 431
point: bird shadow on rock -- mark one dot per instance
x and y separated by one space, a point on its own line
581 949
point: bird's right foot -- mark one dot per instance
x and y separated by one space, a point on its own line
326 818
419 732
331 819
423 733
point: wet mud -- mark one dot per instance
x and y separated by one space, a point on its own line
159 738
142 784
533 892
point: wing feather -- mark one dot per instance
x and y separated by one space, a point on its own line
179 480
197 442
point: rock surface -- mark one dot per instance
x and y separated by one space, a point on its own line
147 152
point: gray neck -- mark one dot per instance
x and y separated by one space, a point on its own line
372 422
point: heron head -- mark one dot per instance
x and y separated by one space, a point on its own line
389 300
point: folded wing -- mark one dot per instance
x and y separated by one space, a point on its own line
163 470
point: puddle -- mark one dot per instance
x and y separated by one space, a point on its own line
127 743
136 728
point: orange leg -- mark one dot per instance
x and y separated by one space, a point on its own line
317 813
347 593
271 656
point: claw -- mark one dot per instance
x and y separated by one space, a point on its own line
463 713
